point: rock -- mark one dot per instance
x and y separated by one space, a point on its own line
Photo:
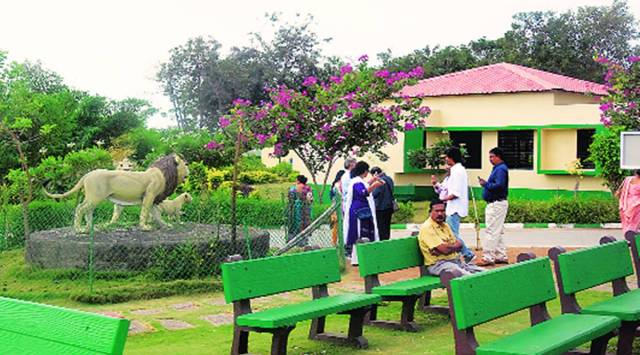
174 324
137 327
219 319
184 306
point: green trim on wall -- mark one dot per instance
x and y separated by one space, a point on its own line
596 172
413 140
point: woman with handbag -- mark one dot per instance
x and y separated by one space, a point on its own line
361 220
386 204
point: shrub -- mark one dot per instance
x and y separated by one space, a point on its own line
283 169
404 214
215 178
257 177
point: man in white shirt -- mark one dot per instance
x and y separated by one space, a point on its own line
458 197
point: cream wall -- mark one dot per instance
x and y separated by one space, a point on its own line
497 110
560 148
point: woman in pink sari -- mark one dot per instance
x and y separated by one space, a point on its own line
629 195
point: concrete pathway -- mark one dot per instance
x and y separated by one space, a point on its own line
544 237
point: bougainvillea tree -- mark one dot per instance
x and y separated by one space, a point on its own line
354 113
620 111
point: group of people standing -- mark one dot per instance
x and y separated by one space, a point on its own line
439 236
368 203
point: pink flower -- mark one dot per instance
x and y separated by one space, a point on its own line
349 114
283 98
408 126
605 106
320 137
355 105
633 59
424 110
417 72
384 73
224 122
346 69
262 138
277 150
336 79
632 105
261 114
363 58
241 102
326 127
310 81
214 145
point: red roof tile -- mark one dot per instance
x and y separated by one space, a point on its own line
499 78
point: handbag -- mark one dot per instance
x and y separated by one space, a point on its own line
364 213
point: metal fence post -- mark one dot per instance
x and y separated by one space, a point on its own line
340 243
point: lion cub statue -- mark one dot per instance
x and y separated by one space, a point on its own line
171 208
147 188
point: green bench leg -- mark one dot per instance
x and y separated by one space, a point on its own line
354 336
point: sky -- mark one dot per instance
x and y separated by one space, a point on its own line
114 48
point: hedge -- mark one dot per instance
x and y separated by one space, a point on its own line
560 210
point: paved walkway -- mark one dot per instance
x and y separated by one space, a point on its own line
543 237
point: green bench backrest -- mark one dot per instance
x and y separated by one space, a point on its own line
488 295
268 276
42 329
389 255
586 268
637 241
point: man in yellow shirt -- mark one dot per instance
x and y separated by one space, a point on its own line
439 246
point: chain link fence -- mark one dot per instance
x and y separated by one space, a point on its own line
118 261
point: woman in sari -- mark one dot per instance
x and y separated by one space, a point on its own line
300 199
629 202
361 219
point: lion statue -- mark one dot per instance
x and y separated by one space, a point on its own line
147 188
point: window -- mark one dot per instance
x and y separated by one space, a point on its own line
472 140
585 138
518 148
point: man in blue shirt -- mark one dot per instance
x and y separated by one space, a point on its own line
495 191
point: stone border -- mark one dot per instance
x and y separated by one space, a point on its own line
415 227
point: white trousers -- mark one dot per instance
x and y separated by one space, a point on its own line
493 245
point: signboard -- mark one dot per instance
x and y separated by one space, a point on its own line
630 150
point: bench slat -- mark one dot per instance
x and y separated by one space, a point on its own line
409 287
36 325
291 314
625 306
586 268
268 276
554 336
488 295
389 255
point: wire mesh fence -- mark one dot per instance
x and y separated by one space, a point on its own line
119 261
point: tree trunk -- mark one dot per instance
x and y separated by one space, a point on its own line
326 176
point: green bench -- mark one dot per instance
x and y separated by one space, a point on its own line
381 257
32 328
479 298
586 268
245 280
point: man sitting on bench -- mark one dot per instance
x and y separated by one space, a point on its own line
439 246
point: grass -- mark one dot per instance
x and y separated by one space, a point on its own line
19 280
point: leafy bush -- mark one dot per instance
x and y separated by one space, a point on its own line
257 177
283 169
405 214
